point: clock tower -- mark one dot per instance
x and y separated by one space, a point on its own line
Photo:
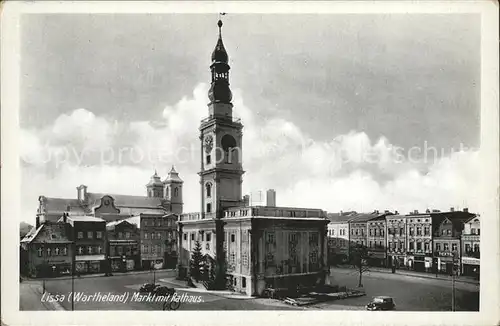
221 142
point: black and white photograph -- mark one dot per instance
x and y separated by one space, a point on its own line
177 161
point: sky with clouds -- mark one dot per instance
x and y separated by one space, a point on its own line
340 112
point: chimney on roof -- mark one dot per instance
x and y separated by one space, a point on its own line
466 210
415 211
427 211
386 211
37 222
396 212
271 198
65 217
452 209
82 193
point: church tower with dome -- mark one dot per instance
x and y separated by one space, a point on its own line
221 141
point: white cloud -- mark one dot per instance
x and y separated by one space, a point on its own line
341 174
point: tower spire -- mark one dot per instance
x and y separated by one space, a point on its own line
219 91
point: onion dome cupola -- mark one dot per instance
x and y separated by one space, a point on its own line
154 187
219 90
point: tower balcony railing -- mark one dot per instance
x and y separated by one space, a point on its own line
223 118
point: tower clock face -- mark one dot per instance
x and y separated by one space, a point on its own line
209 142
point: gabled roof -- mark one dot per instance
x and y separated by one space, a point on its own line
112 225
48 232
59 205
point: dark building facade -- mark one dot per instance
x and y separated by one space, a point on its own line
47 251
376 240
471 253
89 236
123 246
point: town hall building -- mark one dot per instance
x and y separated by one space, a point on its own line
253 247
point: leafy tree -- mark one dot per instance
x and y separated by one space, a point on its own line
196 262
360 255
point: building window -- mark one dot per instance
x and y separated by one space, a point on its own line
80 250
444 232
176 192
402 245
453 247
208 188
167 191
207 246
476 247
99 250
145 235
401 231
192 236
371 244
152 235
232 259
446 247
233 237
209 208
411 232
56 251
80 235
411 245
438 247
467 247
185 236
473 231
449 232
426 246
120 235
49 252
209 236
158 236
419 231
243 282
90 234
371 232
478 231
426 230
419 246
127 235
209 159
40 252
89 250
98 234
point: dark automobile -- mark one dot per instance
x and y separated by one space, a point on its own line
148 287
381 303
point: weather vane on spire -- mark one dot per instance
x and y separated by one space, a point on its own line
219 23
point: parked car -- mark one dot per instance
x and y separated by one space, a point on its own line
381 303
148 287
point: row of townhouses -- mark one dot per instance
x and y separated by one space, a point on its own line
105 232
433 241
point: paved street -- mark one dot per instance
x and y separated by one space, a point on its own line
119 284
410 293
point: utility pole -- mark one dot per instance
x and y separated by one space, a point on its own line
453 285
